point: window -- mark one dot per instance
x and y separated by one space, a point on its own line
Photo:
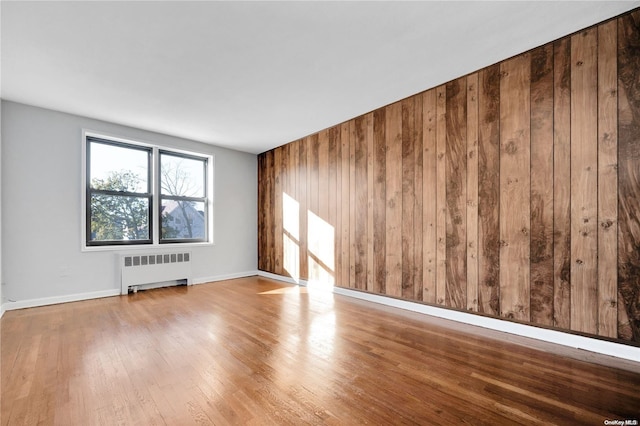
142 194
183 201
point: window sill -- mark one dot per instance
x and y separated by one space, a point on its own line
143 247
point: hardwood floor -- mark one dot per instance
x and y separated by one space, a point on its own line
257 351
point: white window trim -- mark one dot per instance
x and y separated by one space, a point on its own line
155 207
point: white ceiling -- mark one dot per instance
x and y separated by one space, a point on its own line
255 75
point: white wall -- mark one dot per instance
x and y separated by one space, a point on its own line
41 212
1 280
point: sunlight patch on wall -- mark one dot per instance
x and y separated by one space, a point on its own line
291 216
291 236
321 237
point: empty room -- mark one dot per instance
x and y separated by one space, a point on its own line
287 213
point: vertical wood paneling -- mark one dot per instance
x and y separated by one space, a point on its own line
345 245
270 212
515 143
393 214
352 208
323 175
277 202
562 184
441 195
418 201
293 172
303 196
333 194
324 264
286 267
629 176
408 198
361 201
542 185
472 192
262 232
607 180
369 200
512 191
584 180
489 191
429 210
313 152
456 169
379 200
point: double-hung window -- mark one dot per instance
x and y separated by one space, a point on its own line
143 194
183 200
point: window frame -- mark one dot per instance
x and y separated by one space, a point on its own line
155 198
161 197
91 191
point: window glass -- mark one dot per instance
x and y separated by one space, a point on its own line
119 218
183 219
182 176
119 168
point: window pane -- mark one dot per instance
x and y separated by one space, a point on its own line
118 168
183 220
182 176
119 218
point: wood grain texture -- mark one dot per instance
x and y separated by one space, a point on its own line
265 352
441 195
472 193
408 198
303 182
515 143
353 212
370 203
345 232
379 200
607 180
456 187
584 181
361 197
629 176
277 217
313 206
262 230
429 191
542 185
267 210
489 191
323 175
321 257
511 191
562 184
333 201
393 214
336 199
418 201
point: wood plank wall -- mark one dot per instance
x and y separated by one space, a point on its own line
512 192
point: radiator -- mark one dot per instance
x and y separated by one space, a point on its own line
140 271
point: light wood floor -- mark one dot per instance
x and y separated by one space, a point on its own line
256 351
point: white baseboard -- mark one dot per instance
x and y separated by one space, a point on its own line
204 280
603 347
32 303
